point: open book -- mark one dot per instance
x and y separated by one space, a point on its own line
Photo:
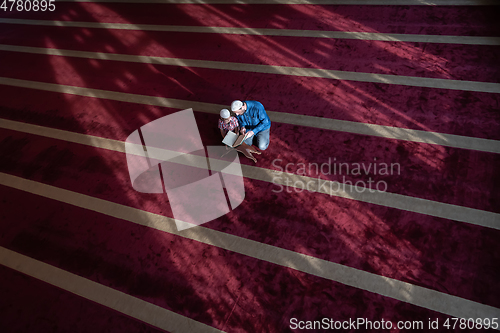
234 140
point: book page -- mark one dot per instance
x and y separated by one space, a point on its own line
230 138
239 140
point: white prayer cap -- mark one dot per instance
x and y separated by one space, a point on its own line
236 105
224 113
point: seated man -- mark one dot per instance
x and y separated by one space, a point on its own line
253 118
227 122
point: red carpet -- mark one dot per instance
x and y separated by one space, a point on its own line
427 20
447 61
49 309
214 286
444 111
427 171
394 243
139 262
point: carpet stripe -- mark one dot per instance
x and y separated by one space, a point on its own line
114 299
448 140
469 40
413 81
402 291
442 20
312 2
387 199
397 59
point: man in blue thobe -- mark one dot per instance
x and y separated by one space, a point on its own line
254 121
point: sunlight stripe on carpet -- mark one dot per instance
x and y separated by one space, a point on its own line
448 140
386 199
312 2
109 297
442 39
402 291
413 81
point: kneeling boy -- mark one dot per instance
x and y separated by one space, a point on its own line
227 122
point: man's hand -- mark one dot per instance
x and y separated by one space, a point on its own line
250 133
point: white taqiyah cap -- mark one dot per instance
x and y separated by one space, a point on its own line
224 113
236 105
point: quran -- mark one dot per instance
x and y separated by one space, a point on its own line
234 140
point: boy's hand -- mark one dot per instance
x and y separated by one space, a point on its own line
243 130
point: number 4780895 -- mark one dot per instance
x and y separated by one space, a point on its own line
471 323
28 5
